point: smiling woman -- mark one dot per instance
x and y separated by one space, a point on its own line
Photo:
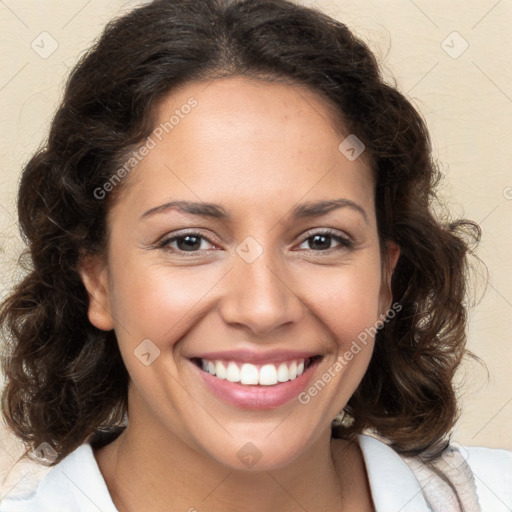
240 296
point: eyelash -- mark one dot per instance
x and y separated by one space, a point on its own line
345 243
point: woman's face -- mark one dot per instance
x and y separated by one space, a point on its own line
269 285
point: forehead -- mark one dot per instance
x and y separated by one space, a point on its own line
240 140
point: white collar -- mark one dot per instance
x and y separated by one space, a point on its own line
392 483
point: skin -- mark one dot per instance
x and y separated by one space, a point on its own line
258 149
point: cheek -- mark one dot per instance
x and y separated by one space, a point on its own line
346 299
156 301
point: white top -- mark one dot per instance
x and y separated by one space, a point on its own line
483 477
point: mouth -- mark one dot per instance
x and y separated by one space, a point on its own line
256 386
249 374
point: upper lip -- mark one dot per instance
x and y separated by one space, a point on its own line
253 356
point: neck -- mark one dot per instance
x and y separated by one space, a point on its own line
149 468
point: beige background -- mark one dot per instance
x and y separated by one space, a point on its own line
464 94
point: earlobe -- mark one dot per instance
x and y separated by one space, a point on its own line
94 275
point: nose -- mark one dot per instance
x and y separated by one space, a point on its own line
260 296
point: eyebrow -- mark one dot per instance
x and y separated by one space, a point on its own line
311 209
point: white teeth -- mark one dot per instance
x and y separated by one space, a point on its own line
220 370
292 371
233 373
249 374
282 373
268 375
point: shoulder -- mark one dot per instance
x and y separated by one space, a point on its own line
492 470
481 478
75 483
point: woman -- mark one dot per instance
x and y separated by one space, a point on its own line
240 298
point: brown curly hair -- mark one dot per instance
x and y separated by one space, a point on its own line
65 379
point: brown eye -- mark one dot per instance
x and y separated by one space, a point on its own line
322 240
187 242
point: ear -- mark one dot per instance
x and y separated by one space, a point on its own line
94 273
391 255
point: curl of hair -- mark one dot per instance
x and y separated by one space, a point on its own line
65 379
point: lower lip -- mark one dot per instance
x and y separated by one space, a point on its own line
257 396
